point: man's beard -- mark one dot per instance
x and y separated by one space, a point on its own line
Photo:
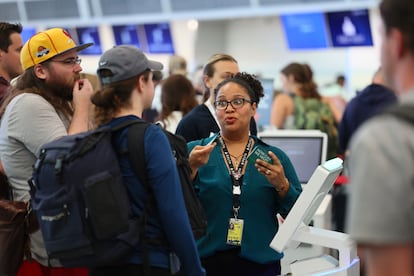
61 89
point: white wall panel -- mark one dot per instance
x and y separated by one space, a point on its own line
68 12
9 12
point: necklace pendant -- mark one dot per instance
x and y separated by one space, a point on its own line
237 175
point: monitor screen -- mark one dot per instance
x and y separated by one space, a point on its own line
307 203
306 149
350 28
305 30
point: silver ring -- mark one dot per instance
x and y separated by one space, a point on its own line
267 172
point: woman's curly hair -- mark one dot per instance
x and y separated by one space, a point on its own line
249 81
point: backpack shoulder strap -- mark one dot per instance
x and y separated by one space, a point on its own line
135 144
136 134
403 111
127 123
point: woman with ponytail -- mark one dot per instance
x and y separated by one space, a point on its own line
127 89
301 106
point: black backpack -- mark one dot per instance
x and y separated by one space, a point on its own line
195 211
82 205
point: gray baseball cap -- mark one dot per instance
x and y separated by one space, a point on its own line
125 61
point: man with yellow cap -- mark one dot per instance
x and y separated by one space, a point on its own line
48 101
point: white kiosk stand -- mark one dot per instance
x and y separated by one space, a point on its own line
295 230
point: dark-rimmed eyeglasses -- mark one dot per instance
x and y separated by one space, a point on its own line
69 61
235 103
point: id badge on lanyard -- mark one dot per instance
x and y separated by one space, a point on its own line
235 226
235 231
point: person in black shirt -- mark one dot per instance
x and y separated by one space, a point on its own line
11 44
372 100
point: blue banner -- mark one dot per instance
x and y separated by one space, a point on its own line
159 38
87 35
126 34
305 30
350 28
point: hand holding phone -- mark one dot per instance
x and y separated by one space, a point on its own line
213 139
258 153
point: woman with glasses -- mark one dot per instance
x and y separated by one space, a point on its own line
242 183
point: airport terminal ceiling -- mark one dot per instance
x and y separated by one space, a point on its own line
92 12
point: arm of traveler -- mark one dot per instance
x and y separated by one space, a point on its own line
199 156
82 93
164 180
280 110
382 260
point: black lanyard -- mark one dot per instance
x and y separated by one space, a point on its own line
236 175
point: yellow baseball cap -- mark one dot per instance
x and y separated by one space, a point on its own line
45 45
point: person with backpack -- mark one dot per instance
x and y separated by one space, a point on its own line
241 194
127 89
48 101
380 214
302 107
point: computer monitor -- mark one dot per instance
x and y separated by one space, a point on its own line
306 149
307 203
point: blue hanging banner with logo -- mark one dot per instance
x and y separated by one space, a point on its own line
126 35
305 30
350 28
88 35
158 38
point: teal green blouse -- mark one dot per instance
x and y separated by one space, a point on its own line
259 204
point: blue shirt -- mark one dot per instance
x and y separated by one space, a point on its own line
259 204
367 103
170 220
